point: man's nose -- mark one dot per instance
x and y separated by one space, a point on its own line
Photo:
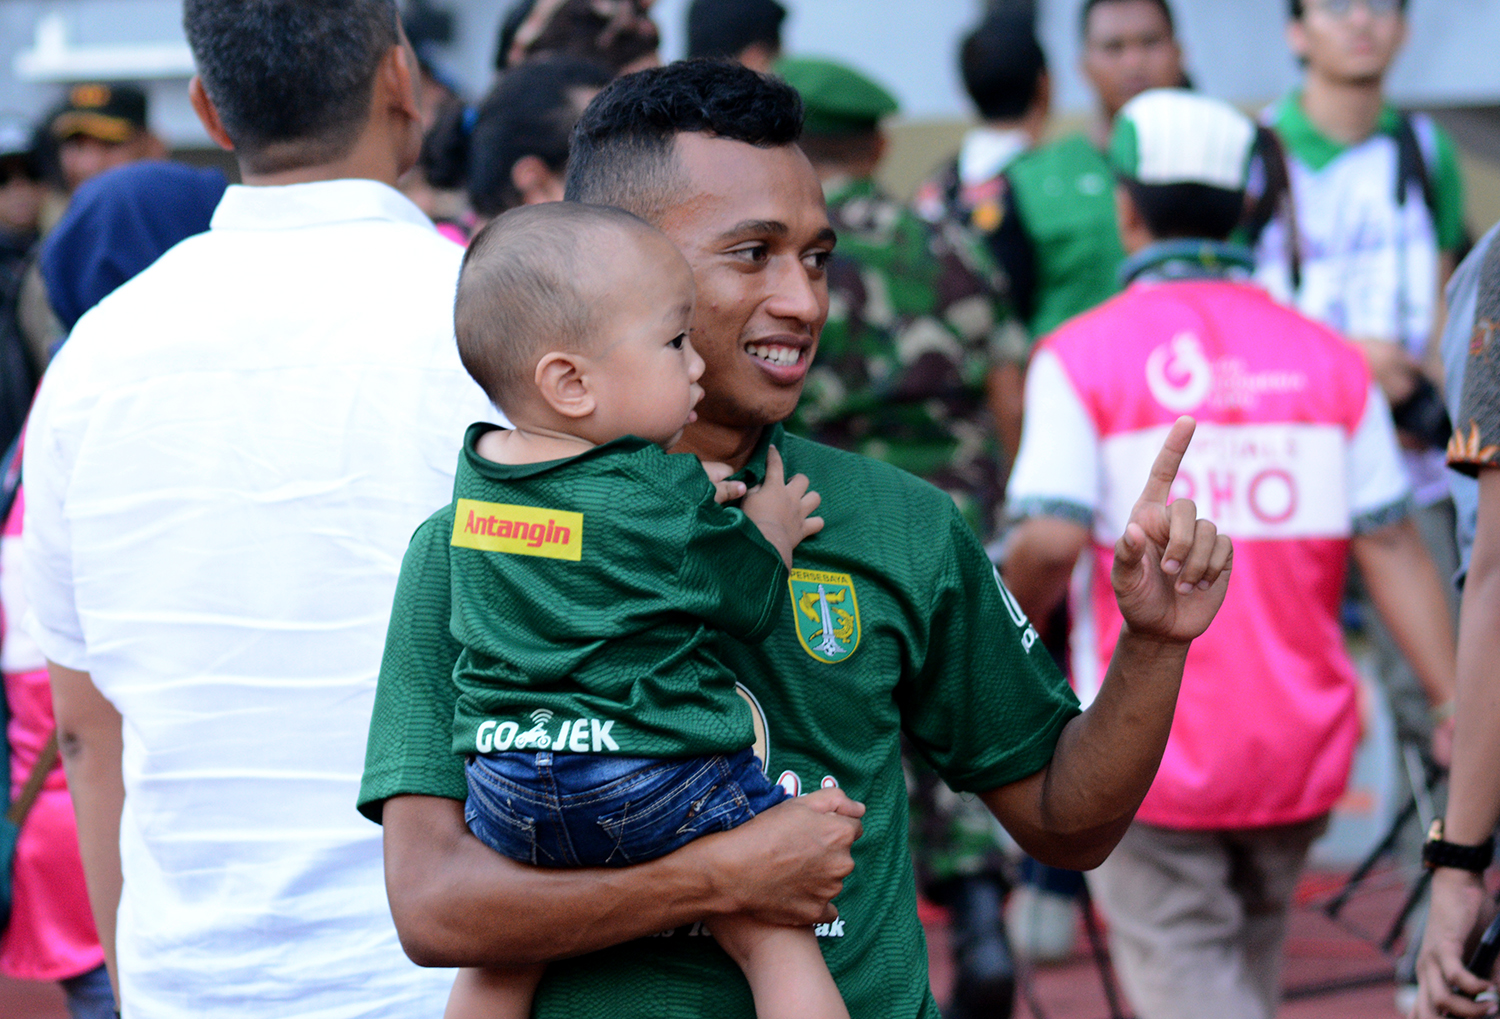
797 295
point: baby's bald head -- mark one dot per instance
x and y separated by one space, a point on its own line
537 279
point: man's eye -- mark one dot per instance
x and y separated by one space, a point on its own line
817 260
753 253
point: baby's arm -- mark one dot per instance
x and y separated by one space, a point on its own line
782 507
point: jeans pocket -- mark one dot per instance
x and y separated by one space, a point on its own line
501 823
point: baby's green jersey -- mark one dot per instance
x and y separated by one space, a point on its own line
893 620
591 596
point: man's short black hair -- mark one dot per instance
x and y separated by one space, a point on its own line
1002 65
623 146
295 76
1297 8
726 28
1195 211
1089 5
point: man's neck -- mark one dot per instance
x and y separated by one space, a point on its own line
1348 112
1033 124
371 158
725 444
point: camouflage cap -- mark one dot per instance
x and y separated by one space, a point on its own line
838 99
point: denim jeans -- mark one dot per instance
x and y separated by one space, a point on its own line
585 810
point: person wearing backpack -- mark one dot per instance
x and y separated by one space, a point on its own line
1363 224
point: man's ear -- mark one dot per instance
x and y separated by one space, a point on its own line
208 114
1296 39
402 79
562 379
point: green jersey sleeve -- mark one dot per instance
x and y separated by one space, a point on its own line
411 728
982 671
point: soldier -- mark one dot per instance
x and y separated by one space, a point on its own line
920 359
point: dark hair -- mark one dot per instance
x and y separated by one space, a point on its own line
295 73
1089 5
1002 65
623 145
519 293
726 28
530 112
587 29
1297 8
1198 211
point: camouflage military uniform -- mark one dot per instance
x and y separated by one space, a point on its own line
915 323
916 320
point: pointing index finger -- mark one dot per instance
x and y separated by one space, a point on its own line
1164 470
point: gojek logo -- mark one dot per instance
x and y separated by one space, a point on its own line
1179 374
575 735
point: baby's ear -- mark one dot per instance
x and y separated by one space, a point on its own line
562 380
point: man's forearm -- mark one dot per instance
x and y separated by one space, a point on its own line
1474 780
456 902
1408 593
1074 812
89 741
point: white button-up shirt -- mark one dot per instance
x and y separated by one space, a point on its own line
222 472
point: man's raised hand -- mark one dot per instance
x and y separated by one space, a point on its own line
1171 567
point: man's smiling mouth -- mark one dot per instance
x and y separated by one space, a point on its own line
781 356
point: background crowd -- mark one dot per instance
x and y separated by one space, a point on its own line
1021 334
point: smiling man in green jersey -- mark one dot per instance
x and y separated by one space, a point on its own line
893 621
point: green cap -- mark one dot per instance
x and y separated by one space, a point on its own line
1173 136
838 99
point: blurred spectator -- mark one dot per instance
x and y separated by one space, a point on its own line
1295 459
247 433
118 224
513 150
21 193
1048 211
99 127
745 31
918 359
1128 47
1375 225
617 34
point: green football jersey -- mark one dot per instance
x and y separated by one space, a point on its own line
1065 194
591 596
892 620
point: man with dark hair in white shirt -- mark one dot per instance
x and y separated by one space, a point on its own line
225 466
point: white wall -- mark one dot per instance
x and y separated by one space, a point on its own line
1235 48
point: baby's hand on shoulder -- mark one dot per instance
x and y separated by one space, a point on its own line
724 489
782 507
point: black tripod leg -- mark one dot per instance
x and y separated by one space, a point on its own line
1101 954
1336 904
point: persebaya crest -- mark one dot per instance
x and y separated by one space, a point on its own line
827 614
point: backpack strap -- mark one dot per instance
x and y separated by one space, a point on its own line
37 778
1275 200
1411 165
